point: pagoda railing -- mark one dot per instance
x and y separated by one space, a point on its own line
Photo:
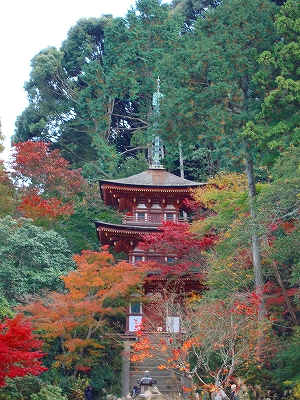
132 220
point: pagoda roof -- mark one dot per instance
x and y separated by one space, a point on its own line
155 178
127 228
106 231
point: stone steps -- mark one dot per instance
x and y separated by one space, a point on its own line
166 381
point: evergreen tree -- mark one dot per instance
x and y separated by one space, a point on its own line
277 126
210 78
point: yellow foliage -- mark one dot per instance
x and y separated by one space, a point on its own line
232 182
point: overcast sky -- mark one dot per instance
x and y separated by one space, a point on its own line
28 26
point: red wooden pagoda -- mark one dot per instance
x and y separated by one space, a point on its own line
146 200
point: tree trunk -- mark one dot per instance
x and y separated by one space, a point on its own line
285 295
181 160
256 250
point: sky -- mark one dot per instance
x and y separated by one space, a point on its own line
28 26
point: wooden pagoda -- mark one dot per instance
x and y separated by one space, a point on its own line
145 201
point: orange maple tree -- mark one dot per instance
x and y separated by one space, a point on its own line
79 316
46 180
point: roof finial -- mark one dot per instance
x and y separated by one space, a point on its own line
156 144
156 98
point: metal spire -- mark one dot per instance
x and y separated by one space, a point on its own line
156 144
156 98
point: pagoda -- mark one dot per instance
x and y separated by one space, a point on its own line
146 200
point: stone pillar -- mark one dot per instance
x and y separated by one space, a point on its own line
125 377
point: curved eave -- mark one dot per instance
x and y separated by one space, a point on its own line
110 191
122 230
153 177
108 184
191 283
149 181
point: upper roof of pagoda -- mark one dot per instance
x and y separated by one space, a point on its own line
153 177
154 180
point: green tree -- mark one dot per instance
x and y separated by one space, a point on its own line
286 363
20 388
49 392
53 90
1 138
47 104
277 126
193 9
31 259
210 77
8 194
5 310
93 94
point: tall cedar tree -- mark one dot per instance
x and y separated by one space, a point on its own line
210 75
277 126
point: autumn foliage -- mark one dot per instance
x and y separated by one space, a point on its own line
20 350
7 192
78 317
175 240
47 181
216 338
34 206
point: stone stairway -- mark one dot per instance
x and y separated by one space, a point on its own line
167 381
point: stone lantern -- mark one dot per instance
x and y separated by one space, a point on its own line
146 381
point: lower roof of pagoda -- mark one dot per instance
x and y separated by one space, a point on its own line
189 283
122 230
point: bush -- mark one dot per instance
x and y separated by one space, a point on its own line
49 392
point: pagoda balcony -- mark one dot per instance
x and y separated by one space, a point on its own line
149 221
132 220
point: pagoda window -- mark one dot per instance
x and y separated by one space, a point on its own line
170 260
169 217
170 213
135 308
136 259
156 218
141 216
